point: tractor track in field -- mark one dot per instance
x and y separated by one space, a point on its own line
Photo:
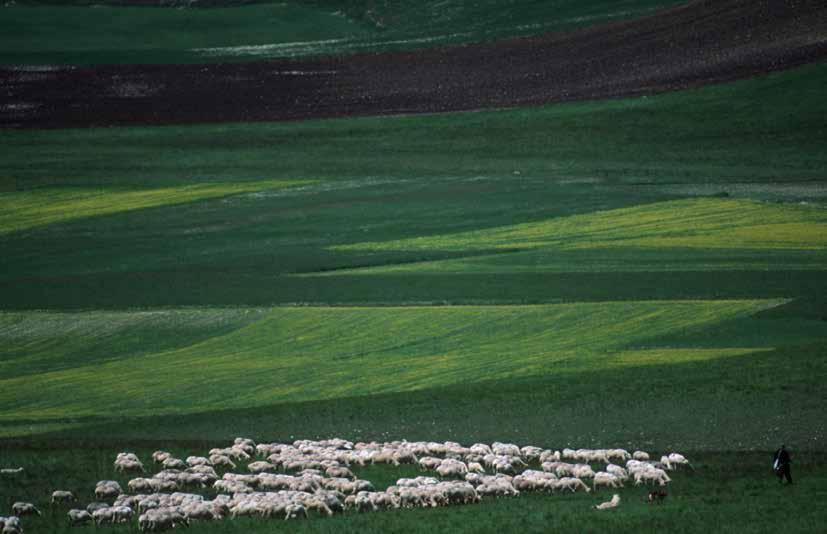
699 43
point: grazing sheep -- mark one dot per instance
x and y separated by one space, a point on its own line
159 456
676 459
261 467
127 461
11 471
79 517
218 460
640 455
60 496
174 463
606 479
92 507
11 525
475 467
571 483
617 471
609 504
107 489
21 509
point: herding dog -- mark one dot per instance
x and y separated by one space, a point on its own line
657 496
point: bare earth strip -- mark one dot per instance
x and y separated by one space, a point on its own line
692 45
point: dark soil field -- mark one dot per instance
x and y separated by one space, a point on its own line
691 45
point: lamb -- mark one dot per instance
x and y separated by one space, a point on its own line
21 509
609 504
79 517
60 496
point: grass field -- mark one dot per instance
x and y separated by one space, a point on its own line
44 32
646 272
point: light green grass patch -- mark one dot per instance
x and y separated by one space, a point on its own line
20 210
666 356
301 354
690 223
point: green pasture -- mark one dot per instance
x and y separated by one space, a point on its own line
514 206
763 136
86 32
735 492
301 354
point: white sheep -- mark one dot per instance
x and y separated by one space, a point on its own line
107 489
21 509
11 471
79 517
11 525
60 496
159 456
606 479
609 504
640 455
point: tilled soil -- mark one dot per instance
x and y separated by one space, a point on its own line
696 44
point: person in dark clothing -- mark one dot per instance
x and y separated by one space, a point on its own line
781 465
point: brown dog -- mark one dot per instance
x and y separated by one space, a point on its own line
657 496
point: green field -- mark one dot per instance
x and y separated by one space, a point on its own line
645 273
44 32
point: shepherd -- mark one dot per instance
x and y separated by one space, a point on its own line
781 465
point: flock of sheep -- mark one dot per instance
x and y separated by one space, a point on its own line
322 481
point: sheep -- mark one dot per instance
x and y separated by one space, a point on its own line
582 471
219 460
676 459
174 463
261 467
640 455
571 483
107 489
429 462
606 479
653 475
11 525
617 471
60 496
549 455
92 507
79 517
21 509
11 471
450 467
618 454
609 504
194 461
127 461
475 467
159 456
339 472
